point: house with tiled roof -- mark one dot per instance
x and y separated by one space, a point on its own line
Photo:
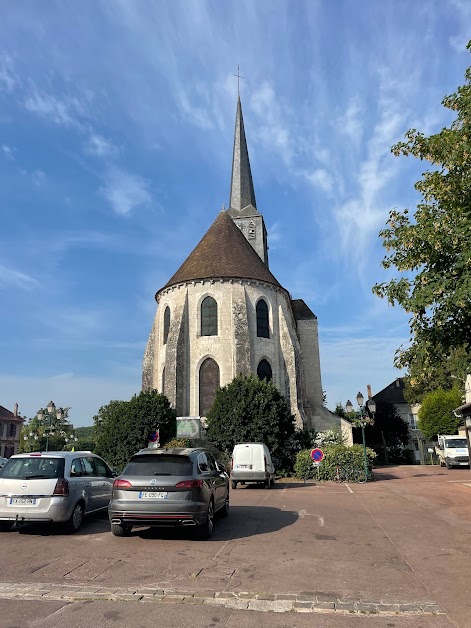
10 426
394 393
223 313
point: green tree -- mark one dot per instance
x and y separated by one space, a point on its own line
431 250
253 410
340 411
436 412
123 427
426 374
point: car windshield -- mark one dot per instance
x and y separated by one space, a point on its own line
456 443
159 465
42 467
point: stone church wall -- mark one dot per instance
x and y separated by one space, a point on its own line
236 348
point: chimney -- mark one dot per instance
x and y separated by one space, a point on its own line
398 382
368 388
15 410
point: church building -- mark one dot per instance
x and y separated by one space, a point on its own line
223 313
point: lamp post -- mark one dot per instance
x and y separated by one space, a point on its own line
47 416
362 419
72 439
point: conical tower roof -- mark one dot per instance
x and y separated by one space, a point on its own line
223 253
242 190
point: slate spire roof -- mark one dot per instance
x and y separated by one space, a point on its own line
242 190
223 253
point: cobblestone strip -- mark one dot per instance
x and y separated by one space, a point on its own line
304 602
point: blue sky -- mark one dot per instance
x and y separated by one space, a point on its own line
116 131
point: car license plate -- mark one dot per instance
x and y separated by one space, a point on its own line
244 466
148 495
22 501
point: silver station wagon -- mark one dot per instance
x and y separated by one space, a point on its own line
54 487
170 487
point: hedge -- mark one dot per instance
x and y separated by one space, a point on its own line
346 458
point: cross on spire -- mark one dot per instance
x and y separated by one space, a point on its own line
239 76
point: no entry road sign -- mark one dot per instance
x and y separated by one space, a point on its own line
317 455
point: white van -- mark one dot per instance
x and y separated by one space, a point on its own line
251 462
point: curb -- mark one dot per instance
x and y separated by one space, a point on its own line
305 602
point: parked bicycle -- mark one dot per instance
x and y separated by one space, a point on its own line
351 475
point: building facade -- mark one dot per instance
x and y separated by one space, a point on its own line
10 427
223 313
418 444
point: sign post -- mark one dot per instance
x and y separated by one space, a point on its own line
154 439
317 456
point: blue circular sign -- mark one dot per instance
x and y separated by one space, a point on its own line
317 455
154 436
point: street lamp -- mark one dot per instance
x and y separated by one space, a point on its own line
72 439
48 417
362 419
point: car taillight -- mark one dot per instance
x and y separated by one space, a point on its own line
189 484
62 487
121 484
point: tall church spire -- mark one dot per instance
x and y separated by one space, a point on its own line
242 192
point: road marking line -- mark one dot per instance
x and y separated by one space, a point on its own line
349 488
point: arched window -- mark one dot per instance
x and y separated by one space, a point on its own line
209 317
264 370
263 330
166 324
163 381
209 383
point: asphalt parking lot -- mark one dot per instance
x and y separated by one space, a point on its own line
394 552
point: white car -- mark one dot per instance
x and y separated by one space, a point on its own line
53 487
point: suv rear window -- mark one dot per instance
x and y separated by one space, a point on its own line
34 467
159 465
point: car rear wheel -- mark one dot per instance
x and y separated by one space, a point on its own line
205 530
76 518
5 526
234 484
120 530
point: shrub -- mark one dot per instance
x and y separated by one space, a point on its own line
348 459
177 442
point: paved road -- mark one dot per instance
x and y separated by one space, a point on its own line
398 547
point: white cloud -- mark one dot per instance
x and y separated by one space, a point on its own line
64 111
8 78
125 191
351 123
199 116
38 177
99 146
7 151
11 277
321 179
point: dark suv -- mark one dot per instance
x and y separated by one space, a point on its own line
176 487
